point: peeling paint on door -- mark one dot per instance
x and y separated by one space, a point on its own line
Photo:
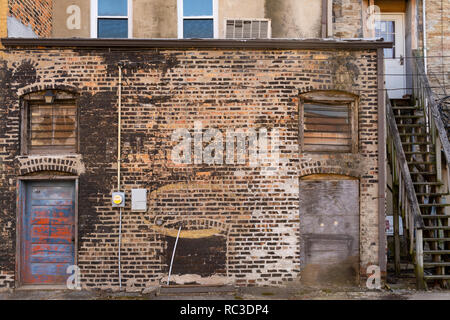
48 232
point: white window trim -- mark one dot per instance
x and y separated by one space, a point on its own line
94 17
181 18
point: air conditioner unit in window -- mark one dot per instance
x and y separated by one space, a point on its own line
248 29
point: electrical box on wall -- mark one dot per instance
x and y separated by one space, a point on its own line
139 200
118 199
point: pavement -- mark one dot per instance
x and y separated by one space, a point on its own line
291 292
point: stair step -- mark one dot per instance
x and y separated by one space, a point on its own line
406 108
408 116
436 251
424 173
420 162
413 134
416 143
437 277
398 120
428 183
436 264
432 194
437 228
435 205
419 152
437 240
409 125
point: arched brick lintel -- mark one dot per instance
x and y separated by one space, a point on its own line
206 223
56 164
327 87
345 168
42 86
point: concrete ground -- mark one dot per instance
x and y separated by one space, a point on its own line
292 292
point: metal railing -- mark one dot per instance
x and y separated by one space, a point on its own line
408 206
425 98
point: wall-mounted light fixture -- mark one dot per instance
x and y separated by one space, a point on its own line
49 97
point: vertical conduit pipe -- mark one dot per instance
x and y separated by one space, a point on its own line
424 26
119 129
120 243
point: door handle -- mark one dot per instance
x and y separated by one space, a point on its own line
402 60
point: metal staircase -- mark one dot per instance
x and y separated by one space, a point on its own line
418 155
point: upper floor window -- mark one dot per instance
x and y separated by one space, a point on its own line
197 19
49 123
329 122
386 30
111 19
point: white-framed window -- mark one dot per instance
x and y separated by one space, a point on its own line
111 19
198 19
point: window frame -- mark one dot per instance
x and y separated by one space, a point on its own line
37 98
330 97
214 17
95 17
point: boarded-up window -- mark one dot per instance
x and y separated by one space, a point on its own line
328 123
50 127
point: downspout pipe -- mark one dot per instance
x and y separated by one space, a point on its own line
119 138
119 129
424 26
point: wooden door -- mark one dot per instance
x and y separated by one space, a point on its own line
329 220
48 238
391 28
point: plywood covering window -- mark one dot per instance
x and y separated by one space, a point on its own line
328 122
50 128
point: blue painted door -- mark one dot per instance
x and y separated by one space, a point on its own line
48 236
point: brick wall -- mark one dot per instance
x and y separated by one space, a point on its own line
3 15
6 280
37 13
250 220
438 46
347 19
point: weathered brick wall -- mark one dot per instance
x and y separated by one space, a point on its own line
256 214
3 21
438 45
6 280
37 13
8 150
347 19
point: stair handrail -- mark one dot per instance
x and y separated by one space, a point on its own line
408 203
422 91
403 166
